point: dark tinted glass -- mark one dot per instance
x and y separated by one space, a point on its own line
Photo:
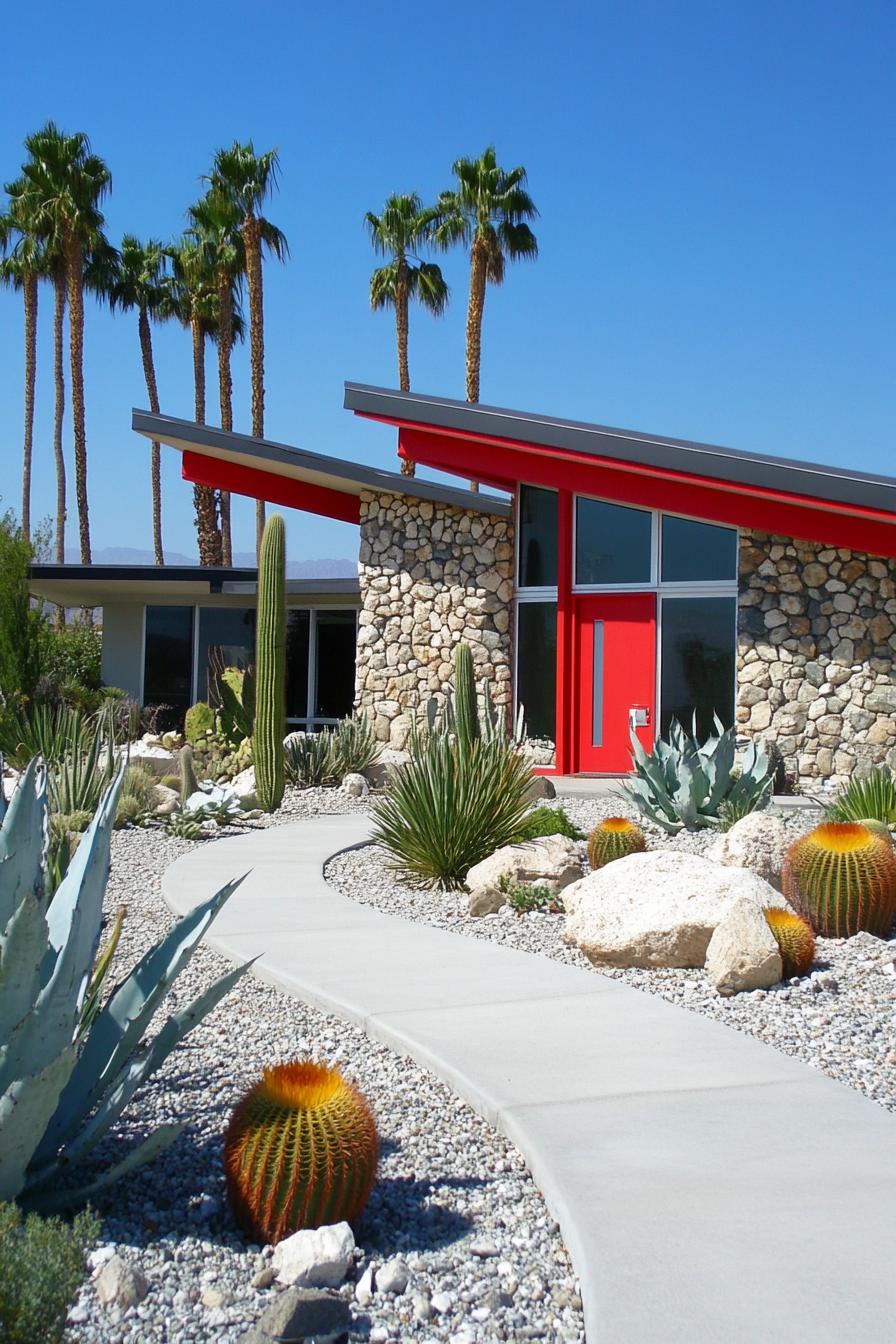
538 537
168 657
697 551
536 666
698 648
298 626
612 543
335 683
226 639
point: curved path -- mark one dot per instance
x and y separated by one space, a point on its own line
708 1188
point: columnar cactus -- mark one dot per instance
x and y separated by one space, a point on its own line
270 667
466 710
614 838
842 878
189 784
795 939
300 1151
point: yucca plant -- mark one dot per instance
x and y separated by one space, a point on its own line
301 1150
61 1090
308 759
871 795
614 838
842 878
50 730
683 784
795 939
354 747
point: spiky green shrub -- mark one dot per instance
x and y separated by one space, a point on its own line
683 784
842 878
871 795
795 939
139 795
524 897
547 821
50 730
354 747
42 1264
614 838
300 1150
61 1090
270 658
184 825
199 721
308 759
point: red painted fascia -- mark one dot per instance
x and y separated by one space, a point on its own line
503 464
239 480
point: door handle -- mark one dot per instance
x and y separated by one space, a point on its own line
639 716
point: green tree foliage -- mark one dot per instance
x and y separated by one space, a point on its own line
42 1263
21 624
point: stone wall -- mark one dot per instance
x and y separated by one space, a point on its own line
816 644
430 576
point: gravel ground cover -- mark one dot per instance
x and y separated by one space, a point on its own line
841 1018
453 1198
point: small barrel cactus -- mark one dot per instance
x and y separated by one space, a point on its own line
795 939
842 878
300 1151
614 838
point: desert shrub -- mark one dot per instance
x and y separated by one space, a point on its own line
42 1264
73 655
548 821
140 783
355 747
309 760
524 897
199 721
867 797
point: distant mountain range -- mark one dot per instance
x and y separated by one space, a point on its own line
295 569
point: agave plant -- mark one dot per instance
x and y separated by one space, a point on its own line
308 758
355 747
62 1087
683 784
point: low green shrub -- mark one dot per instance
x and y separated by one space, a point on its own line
869 796
73 655
42 1264
548 821
527 896
309 759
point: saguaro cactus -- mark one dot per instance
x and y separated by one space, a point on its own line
466 712
270 666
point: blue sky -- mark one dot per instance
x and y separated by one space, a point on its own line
717 198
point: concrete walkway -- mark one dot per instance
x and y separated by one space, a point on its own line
709 1189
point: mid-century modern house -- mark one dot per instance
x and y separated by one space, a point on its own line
617 580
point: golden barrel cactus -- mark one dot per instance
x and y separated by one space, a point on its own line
614 838
795 939
842 878
300 1151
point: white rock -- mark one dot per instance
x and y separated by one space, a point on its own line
441 1302
657 909
244 787
393 1277
552 861
355 785
169 800
758 841
364 1288
742 952
120 1284
378 772
98 1257
317 1258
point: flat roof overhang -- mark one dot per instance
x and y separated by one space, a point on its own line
280 474
96 585
804 500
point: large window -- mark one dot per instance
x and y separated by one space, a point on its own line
335 664
298 644
536 666
614 545
168 657
226 639
537 537
697 645
697 552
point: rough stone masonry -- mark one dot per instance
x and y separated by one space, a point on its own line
816 644
430 575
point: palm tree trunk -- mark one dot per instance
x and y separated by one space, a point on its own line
208 536
75 275
58 419
29 290
475 309
225 392
252 241
149 373
401 333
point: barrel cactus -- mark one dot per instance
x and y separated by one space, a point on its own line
614 838
795 939
842 878
300 1151
270 667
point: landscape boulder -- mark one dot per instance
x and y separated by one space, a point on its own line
315 1258
540 787
120 1284
299 1314
658 908
355 785
758 841
379 770
743 952
245 788
552 861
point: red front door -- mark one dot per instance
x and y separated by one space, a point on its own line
615 668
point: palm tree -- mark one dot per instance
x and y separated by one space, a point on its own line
215 225
138 284
67 183
398 233
487 211
25 265
247 179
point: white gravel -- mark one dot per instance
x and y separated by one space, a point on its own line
841 1018
447 1182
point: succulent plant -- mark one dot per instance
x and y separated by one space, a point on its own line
872 794
614 838
308 759
300 1151
466 708
199 721
795 939
683 784
842 878
355 747
61 1090
270 655
189 784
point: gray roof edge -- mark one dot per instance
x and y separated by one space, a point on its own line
735 466
156 426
